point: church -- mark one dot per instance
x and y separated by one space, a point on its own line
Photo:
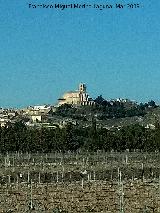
77 97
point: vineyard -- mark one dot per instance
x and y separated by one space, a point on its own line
80 182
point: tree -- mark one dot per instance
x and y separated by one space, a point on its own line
152 104
99 99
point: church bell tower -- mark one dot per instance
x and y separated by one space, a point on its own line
82 88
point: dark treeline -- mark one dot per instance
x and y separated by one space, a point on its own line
18 137
106 109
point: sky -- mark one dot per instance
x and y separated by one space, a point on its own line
45 52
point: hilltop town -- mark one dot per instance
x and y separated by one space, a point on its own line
78 108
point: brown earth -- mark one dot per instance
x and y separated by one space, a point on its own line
91 196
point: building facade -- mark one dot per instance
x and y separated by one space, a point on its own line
77 97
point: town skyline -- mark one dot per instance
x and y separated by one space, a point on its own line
70 97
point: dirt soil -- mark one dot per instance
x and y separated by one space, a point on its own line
89 196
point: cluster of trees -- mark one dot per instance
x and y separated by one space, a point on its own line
18 137
106 109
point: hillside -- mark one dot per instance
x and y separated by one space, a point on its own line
110 114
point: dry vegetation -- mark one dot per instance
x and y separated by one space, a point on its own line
83 182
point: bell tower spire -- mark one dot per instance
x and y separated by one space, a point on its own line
82 88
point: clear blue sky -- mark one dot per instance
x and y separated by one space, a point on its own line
44 52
